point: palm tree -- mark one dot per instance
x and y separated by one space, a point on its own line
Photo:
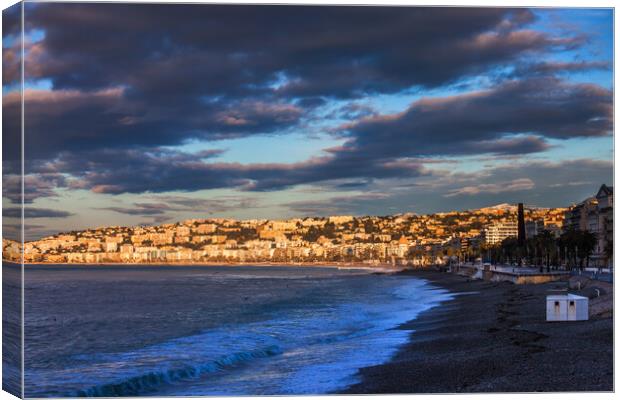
585 246
546 243
568 244
510 249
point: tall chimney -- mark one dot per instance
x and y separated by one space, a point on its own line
521 226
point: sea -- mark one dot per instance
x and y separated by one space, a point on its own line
191 331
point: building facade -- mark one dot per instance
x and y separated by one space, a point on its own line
495 233
595 214
603 226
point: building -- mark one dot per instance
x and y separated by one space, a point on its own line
602 224
495 233
595 214
534 227
576 218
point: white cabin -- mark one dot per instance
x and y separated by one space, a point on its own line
567 307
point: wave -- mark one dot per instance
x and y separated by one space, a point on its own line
311 342
152 380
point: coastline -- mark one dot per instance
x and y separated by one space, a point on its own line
492 337
383 268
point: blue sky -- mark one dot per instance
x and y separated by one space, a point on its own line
277 112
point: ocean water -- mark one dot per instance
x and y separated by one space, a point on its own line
166 331
11 328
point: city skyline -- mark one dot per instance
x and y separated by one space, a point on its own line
152 114
367 239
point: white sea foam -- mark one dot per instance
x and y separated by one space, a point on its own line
303 348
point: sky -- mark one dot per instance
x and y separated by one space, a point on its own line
154 113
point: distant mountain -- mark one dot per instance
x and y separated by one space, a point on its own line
508 207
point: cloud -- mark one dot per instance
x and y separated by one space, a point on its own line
163 170
255 113
352 111
512 186
131 82
73 120
11 44
31 231
208 72
211 205
35 186
34 212
166 207
144 209
335 205
554 67
515 117
302 50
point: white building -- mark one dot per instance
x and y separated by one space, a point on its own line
567 307
497 232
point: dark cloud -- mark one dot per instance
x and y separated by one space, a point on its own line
144 209
11 20
11 44
553 68
147 75
35 186
333 51
71 120
511 119
508 146
487 121
34 212
130 80
31 231
166 170
352 185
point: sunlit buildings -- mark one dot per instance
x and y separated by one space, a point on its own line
399 239
495 233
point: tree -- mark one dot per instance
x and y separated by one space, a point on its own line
568 246
510 249
546 243
585 246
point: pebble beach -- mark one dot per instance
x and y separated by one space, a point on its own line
493 337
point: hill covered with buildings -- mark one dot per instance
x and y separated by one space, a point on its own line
403 238
408 239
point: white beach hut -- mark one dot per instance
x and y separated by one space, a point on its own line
567 307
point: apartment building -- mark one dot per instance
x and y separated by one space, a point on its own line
495 233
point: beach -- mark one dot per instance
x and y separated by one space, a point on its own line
492 337
143 330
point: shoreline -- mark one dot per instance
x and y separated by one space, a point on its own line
384 268
492 337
